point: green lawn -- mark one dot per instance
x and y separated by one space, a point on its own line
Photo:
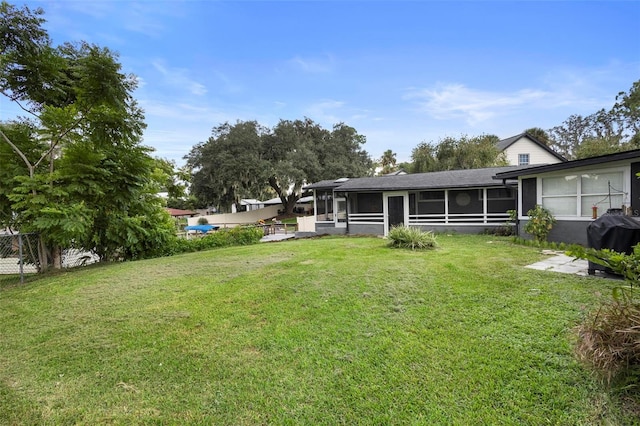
320 331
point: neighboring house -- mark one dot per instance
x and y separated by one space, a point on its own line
572 189
524 149
247 205
457 200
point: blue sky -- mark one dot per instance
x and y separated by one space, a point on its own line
400 72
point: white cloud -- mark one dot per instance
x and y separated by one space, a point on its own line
181 113
178 77
325 111
454 101
321 65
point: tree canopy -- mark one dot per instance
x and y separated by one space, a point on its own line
457 153
248 160
603 132
388 162
74 169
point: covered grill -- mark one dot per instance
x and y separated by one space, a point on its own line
615 232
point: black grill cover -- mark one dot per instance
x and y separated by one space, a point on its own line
614 232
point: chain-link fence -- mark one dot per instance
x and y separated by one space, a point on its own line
18 256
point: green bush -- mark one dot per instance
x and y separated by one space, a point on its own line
238 236
540 223
412 238
203 221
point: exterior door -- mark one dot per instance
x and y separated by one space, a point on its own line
396 209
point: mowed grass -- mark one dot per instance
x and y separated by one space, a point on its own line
320 331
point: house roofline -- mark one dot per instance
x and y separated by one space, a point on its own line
608 158
535 140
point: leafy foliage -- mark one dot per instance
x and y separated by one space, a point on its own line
412 238
238 236
539 134
247 160
540 223
603 132
388 162
455 154
77 172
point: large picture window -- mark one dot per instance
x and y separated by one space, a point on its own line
602 190
576 194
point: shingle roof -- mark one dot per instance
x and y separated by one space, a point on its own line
324 184
506 143
434 180
609 158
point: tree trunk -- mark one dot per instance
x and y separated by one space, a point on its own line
43 255
57 257
290 204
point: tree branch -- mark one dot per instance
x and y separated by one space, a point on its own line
20 153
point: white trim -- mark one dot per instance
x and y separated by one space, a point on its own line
336 211
385 207
578 172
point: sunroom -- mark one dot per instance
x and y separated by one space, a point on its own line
458 200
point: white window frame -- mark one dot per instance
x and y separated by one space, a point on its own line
626 189
521 157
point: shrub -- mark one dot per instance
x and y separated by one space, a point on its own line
203 221
238 236
540 223
500 231
609 340
412 238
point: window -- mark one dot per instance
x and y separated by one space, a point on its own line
575 195
432 196
500 194
429 202
500 200
523 159
465 201
366 202
603 190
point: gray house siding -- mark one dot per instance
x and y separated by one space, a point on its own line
564 231
571 226
328 228
372 229
474 229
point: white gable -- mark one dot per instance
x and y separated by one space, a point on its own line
537 154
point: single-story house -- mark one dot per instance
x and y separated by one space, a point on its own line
578 191
457 200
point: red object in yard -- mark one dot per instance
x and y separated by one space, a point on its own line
594 212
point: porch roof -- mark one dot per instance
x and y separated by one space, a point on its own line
420 181
325 184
